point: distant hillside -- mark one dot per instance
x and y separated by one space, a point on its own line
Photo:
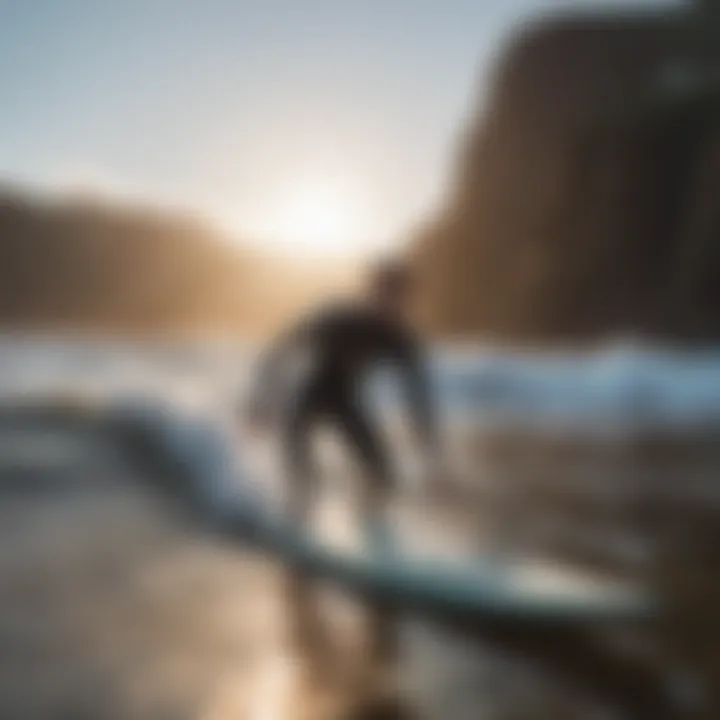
585 201
94 266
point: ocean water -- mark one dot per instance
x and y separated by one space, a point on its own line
113 605
626 385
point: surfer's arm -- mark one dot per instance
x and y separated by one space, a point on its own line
272 362
423 409
419 393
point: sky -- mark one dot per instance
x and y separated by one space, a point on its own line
337 116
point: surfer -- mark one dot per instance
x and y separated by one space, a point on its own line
345 342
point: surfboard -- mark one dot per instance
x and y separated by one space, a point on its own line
224 495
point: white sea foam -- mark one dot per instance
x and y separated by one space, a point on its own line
620 386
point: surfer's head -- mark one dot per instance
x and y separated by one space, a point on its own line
391 287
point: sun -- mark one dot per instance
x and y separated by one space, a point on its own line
312 217
316 217
306 215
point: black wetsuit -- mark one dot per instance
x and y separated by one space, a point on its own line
345 343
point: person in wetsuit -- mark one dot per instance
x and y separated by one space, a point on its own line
346 342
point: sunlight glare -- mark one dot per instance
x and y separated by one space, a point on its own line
318 218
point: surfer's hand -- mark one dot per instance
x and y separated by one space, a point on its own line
431 470
440 479
256 429
257 421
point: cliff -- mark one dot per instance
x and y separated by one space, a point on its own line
583 202
105 267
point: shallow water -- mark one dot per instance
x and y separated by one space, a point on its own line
113 605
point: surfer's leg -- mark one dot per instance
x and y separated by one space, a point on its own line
377 488
304 618
369 450
298 463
